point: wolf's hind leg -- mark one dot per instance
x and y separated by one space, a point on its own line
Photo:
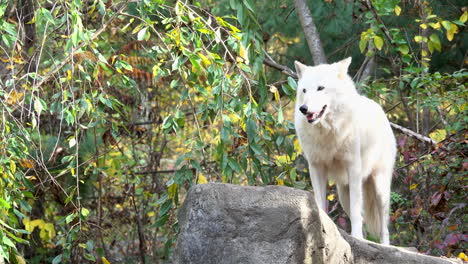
383 182
376 205
343 196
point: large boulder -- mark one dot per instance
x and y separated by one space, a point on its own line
222 223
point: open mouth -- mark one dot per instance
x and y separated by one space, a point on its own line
314 116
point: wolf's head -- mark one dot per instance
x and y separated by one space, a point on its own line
319 87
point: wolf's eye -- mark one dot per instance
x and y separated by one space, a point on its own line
320 88
304 90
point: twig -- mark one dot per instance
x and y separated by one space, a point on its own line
393 107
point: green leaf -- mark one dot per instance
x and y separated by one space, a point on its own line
89 257
84 212
251 128
143 34
57 259
404 49
434 38
161 221
249 5
8 242
165 208
447 24
378 42
38 106
234 165
4 204
362 45
70 218
280 115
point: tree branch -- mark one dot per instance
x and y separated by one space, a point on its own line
284 69
310 31
411 133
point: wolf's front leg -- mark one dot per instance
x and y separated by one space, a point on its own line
319 181
355 198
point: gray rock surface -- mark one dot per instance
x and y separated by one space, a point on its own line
222 223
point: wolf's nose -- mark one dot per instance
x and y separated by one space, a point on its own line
303 109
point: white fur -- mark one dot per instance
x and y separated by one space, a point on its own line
352 144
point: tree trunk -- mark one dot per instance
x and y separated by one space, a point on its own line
310 31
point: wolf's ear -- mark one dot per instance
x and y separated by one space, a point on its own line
343 66
300 68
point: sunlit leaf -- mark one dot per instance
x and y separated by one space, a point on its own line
202 179
378 42
397 10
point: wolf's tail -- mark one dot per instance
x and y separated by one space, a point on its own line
376 207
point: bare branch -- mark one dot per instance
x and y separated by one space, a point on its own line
310 31
284 69
411 133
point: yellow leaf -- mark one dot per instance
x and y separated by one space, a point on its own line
13 97
281 159
438 135
172 190
27 224
331 197
20 259
274 90
12 167
435 25
378 42
462 255
413 186
424 53
105 261
269 129
25 163
204 59
202 179
31 225
464 17
424 26
397 10
69 75
297 146
417 39
47 232
243 52
450 35
280 181
452 31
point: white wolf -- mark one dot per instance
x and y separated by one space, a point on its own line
346 138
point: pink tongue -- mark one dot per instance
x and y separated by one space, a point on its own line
312 116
